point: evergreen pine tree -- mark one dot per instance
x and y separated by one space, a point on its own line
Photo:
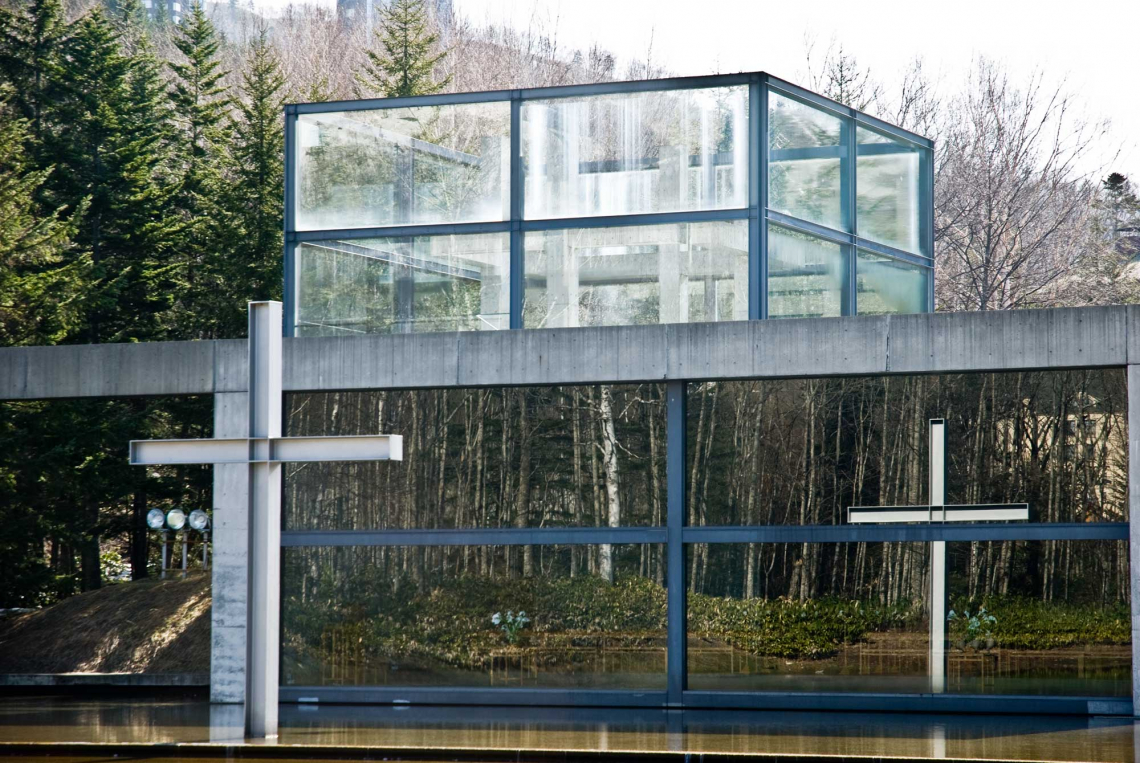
199 95
201 108
40 290
405 64
252 269
30 45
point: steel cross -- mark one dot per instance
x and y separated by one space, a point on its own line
938 511
264 451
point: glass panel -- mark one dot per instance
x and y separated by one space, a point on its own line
887 193
466 449
403 285
677 273
885 285
636 152
430 164
806 275
801 451
811 617
805 153
449 616
1040 617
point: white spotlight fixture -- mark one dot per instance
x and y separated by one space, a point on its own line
176 519
155 519
199 520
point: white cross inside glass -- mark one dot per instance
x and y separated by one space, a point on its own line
938 511
264 451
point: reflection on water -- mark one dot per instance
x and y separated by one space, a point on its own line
898 663
774 733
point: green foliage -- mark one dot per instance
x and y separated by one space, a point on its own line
795 629
1024 623
405 64
971 626
249 239
112 566
40 289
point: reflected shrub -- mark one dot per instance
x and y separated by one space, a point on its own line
1025 623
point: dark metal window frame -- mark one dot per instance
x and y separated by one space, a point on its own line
756 212
677 537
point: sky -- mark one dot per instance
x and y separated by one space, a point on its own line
1091 46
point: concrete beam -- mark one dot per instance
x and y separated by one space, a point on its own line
1084 337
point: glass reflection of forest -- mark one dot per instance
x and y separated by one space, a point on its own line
583 617
827 617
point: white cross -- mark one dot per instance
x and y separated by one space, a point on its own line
938 511
264 451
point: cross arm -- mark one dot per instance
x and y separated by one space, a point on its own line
279 449
983 512
220 451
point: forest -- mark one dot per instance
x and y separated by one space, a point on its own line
141 200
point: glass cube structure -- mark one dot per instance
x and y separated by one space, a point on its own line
730 197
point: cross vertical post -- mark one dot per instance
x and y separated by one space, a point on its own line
264 597
938 593
937 511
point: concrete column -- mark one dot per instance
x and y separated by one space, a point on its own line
228 575
1134 524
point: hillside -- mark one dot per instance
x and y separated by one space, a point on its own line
146 626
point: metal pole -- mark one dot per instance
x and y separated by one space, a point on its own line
205 549
185 543
162 569
938 557
264 600
676 635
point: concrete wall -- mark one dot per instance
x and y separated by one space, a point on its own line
931 343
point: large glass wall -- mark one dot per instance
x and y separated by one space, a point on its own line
523 458
583 617
678 273
801 451
1039 618
735 567
626 153
615 204
809 617
403 285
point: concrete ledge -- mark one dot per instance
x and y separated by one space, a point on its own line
105 679
1084 337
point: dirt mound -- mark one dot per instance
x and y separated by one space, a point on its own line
146 626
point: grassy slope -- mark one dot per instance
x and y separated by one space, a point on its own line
148 626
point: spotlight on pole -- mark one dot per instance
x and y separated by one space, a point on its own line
155 519
199 520
176 519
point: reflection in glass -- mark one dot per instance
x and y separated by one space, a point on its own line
800 451
887 192
1040 618
450 616
676 273
813 617
805 153
806 275
430 164
628 153
888 286
403 285
522 457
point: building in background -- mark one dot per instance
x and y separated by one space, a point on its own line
352 12
174 9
